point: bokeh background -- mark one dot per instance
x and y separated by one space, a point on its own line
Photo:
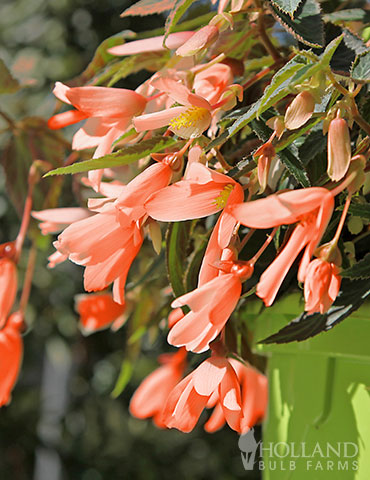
63 423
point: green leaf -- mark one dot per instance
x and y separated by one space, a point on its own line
177 240
281 83
314 143
307 25
360 71
177 12
345 54
8 84
124 156
353 294
123 379
287 6
329 51
360 270
148 7
359 210
350 15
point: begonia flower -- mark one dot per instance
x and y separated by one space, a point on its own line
99 311
188 399
300 110
339 149
11 352
54 220
211 305
254 396
153 44
321 285
151 396
8 280
311 208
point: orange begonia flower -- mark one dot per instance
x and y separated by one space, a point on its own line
11 352
99 311
311 208
321 285
150 398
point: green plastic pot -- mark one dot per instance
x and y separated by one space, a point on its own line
319 398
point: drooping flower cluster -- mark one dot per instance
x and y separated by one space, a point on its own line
223 194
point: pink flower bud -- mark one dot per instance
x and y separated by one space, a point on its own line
339 149
299 111
201 39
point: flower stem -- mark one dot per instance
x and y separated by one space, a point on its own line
254 259
28 279
342 220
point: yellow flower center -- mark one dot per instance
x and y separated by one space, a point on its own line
189 118
223 197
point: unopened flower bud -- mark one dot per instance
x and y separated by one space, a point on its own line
277 124
155 235
357 165
265 155
339 149
299 111
201 39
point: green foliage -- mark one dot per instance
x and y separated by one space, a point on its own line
125 156
174 16
287 6
352 296
148 7
177 241
8 84
307 24
360 71
360 269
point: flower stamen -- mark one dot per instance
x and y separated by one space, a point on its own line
223 197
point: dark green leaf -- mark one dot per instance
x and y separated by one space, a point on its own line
360 71
307 25
360 210
8 84
314 143
177 12
124 156
350 15
177 240
287 6
352 296
360 270
148 7
346 52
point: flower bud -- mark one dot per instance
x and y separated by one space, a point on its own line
201 39
265 155
299 111
339 149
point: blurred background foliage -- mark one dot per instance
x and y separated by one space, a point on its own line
63 423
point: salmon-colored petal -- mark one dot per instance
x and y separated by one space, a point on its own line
11 352
189 329
208 270
279 209
216 421
61 120
151 121
60 91
106 102
230 288
201 39
8 287
97 312
183 200
179 93
153 392
273 276
135 193
183 407
209 375
230 398
153 44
